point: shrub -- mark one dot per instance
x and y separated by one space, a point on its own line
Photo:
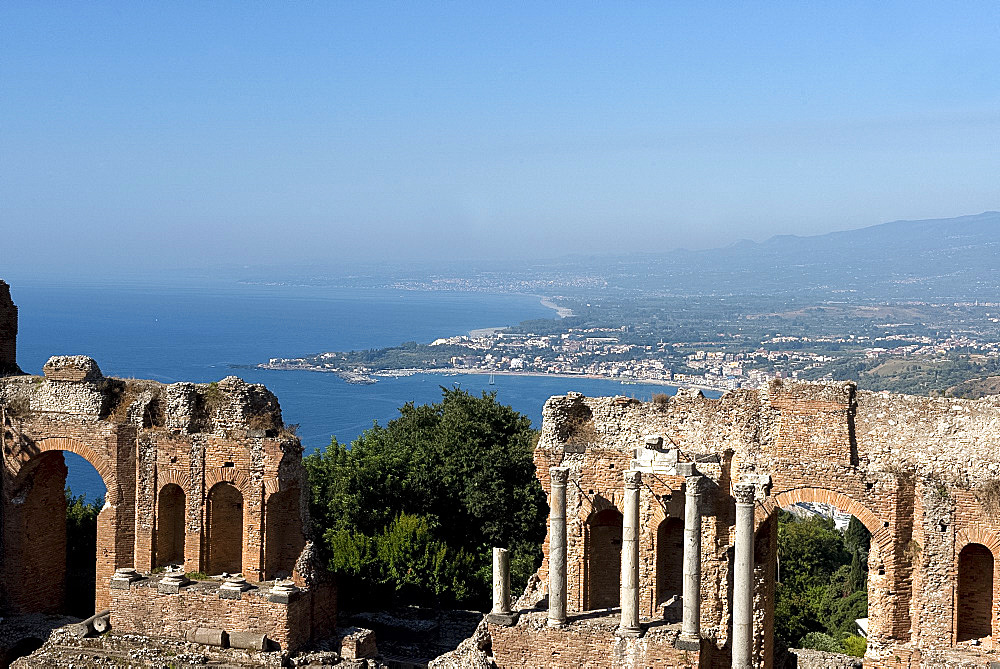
820 641
855 645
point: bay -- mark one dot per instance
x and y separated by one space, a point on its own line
198 330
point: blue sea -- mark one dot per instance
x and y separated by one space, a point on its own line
197 331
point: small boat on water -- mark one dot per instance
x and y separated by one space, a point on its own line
492 382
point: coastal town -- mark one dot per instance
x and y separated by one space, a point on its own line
613 353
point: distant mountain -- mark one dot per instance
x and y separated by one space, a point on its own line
948 258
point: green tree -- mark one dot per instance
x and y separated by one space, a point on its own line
81 552
824 582
409 513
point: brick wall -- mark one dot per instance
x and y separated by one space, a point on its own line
143 610
198 473
588 646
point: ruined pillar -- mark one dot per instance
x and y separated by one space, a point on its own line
501 613
557 546
8 332
630 557
691 625
743 578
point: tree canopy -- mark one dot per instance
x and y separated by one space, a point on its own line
409 513
822 584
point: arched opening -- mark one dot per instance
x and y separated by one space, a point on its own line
50 535
670 568
224 535
975 593
604 558
811 562
283 540
168 542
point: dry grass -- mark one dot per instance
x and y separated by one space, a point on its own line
583 433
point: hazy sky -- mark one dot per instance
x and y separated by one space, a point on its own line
156 134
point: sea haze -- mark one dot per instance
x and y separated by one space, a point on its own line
197 332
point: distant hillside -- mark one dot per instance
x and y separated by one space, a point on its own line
976 388
953 258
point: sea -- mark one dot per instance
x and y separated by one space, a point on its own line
205 330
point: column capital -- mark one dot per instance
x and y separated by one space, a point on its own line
559 475
745 493
692 484
633 478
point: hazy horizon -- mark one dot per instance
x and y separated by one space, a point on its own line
222 134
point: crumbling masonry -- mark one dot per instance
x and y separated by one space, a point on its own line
662 542
200 478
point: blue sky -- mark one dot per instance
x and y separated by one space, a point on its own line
166 134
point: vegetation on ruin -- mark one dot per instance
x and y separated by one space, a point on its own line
410 512
823 584
81 547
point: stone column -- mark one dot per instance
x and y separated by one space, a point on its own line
501 613
557 546
630 557
743 578
691 627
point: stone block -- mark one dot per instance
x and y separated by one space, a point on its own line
686 469
357 643
505 619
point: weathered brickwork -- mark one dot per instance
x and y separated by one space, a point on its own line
141 609
585 644
200 477
922 474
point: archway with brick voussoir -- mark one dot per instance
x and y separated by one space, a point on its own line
765 559
35 524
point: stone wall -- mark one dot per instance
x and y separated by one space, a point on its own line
922 474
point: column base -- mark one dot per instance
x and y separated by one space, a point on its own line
687 643
629 632
556 623
503 619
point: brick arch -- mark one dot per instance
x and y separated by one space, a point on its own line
238 479
170 476
49 444
977 535
841 502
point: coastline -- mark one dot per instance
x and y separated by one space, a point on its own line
373 376
561 312
553 375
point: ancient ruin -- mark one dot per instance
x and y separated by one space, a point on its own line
204 532
661 548
662 539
